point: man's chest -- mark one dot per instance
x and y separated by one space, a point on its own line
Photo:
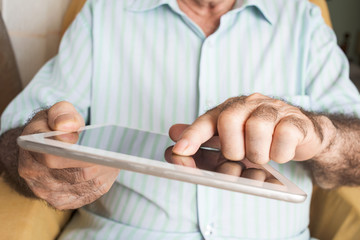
151 71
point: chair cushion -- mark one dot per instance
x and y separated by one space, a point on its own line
335 214
23 218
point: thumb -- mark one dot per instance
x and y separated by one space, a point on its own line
63 116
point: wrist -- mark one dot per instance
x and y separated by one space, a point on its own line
328 141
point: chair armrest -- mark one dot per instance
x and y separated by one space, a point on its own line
74 8
324 10
23 218
335 214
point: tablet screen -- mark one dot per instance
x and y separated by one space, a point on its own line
159 147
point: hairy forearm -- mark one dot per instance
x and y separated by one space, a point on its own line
9 153
339 163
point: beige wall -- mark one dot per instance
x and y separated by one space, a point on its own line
34 28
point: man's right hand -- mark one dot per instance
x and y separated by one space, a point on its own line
63 183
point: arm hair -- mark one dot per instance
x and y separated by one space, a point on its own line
9 154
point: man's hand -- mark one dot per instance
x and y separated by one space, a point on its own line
63 183
256 127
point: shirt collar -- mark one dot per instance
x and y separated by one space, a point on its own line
265 8
145 5
262 5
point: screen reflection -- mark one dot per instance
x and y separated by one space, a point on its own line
212 160
155 146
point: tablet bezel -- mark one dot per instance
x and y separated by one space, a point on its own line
41 143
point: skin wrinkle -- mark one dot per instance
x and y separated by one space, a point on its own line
346 172
207 14
329 170
316 125
269 113
70 175
265 112
326 175
298 123
31 177
232 103
8 154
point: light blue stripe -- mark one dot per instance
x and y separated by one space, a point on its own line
112 43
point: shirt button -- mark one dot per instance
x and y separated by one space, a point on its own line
209 43
209 229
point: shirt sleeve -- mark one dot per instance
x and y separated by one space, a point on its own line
327 70
67 77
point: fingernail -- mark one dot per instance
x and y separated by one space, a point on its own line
181 146
65 122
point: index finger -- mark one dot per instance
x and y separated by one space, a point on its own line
197 133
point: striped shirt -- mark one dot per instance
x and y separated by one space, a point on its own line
145 64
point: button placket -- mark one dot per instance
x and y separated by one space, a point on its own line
209 229
206 77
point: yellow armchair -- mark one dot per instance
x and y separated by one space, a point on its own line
26 219
334 214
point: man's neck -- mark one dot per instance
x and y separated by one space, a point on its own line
206 13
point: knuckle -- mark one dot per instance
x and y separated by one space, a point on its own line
278 102
60 108
227 117
255 96
232 103
266 112
231 100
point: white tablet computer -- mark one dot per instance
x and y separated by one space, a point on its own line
150 153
